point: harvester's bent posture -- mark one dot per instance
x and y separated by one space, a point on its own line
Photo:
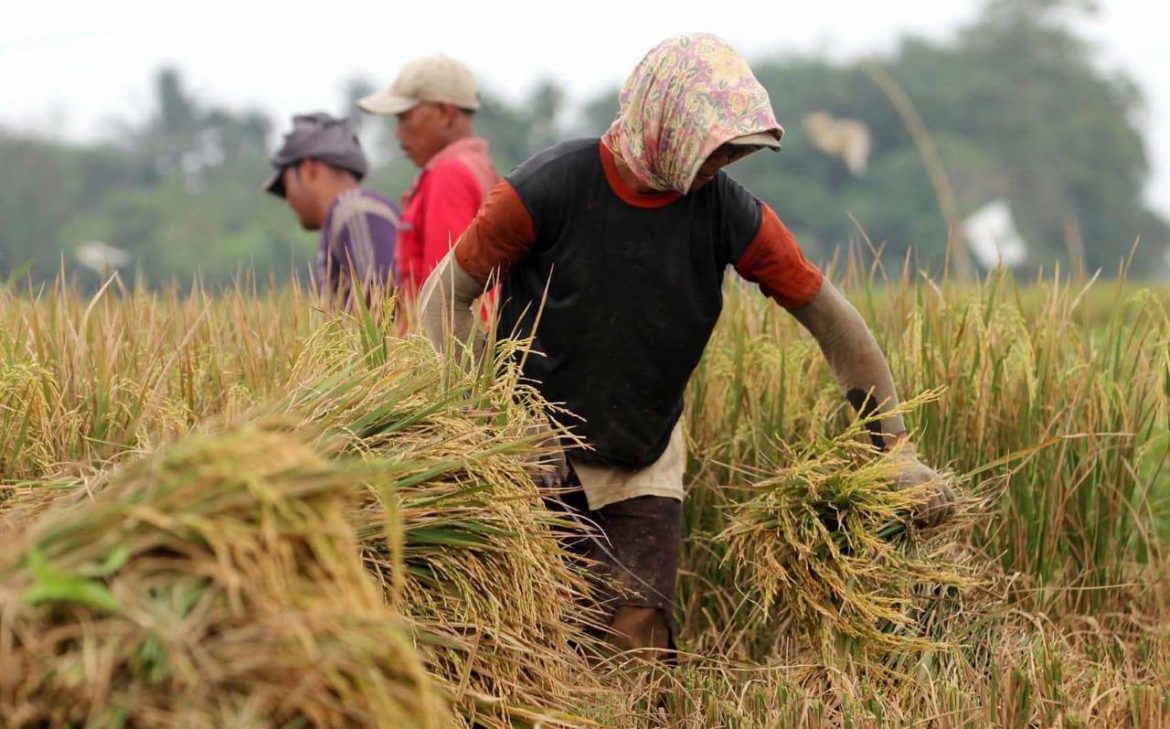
619 247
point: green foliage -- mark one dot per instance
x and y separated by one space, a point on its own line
1018 111
1016 105
179 193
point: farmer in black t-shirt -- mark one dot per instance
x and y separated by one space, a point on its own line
620 246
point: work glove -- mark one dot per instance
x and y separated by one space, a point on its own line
913 472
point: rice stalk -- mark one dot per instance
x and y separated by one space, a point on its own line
825 547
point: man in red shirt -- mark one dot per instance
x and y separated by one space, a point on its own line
434 99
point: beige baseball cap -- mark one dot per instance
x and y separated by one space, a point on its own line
435 79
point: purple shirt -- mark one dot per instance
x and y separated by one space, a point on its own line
358 238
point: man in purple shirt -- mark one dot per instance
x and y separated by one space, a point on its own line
318 168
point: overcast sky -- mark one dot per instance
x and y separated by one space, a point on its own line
68 66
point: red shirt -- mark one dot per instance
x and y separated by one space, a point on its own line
439 206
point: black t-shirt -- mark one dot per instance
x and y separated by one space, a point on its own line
627 289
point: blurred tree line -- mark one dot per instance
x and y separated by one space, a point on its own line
1015 107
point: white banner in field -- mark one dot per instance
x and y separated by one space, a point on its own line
992 236
99 257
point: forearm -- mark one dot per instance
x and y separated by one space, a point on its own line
445 303
855 358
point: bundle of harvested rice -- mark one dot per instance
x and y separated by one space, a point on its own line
466 528
483 568
825 547
217 583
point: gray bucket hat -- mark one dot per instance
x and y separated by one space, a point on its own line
321 137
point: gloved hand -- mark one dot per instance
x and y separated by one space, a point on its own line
913 472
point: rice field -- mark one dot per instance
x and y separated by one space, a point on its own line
233 509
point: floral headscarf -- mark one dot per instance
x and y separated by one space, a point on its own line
688 96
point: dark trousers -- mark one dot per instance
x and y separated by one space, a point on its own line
633 546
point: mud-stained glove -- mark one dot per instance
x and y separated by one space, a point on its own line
913 472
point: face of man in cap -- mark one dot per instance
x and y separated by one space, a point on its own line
305 193
425 129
